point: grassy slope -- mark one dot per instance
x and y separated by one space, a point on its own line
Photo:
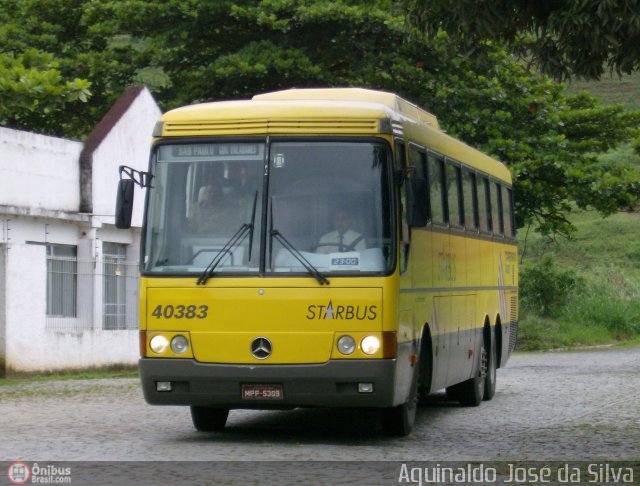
599 243
605 253
610 90
605 256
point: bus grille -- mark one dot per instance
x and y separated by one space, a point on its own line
256 127
513 334
513 316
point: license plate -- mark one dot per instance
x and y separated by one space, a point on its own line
262 392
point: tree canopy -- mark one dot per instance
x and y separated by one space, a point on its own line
198 50
563 38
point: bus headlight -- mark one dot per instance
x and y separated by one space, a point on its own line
179 344
370 345
346 345
158 344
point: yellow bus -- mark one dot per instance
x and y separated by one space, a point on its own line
321 248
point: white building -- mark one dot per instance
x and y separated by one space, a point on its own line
68 277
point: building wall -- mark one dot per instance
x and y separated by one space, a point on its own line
3 321
40 199
39 171
37 342
127 143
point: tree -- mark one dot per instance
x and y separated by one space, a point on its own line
563 38
33 93
59 73
199 50
549 140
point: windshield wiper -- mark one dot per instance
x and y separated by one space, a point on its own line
322 280
229 246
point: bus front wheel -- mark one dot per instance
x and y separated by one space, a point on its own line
209 419
399 420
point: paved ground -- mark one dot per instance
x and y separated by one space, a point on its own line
579 406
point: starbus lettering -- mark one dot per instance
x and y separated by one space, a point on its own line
342 312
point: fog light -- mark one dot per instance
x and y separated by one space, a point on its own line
179 344
158 344
163 386
346 345
370 345
365 387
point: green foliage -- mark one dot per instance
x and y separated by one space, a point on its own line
563 38
604 306
33 93
198 50
610 300
601 308
545 288
549 139
537 333
51 57
107 372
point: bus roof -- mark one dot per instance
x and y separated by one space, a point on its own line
327 103
355 95
335 111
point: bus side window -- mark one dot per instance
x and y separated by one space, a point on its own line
405 234
453 194
435 177
507 211
399 161
418 160
484 214
400 164
470 198
496 210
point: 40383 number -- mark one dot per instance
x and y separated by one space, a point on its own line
180 311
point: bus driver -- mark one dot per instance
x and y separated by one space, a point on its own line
343 238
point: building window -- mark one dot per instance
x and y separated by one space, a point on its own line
62 280
114 286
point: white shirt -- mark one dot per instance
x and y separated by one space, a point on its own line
330 243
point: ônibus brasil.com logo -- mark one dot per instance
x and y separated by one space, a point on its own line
20 473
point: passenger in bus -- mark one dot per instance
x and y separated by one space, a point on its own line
343 238
208 213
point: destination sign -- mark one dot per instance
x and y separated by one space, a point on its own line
213 151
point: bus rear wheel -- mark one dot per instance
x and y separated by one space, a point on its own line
209 419
492 374
470 393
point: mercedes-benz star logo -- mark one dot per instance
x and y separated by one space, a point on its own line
261 348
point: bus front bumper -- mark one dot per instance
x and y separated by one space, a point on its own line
336 383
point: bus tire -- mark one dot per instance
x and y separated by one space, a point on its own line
425 373
209 419
453 392
399 420
471 392
492 372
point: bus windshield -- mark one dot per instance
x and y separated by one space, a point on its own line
327 201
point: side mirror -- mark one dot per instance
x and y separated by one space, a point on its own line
124 203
